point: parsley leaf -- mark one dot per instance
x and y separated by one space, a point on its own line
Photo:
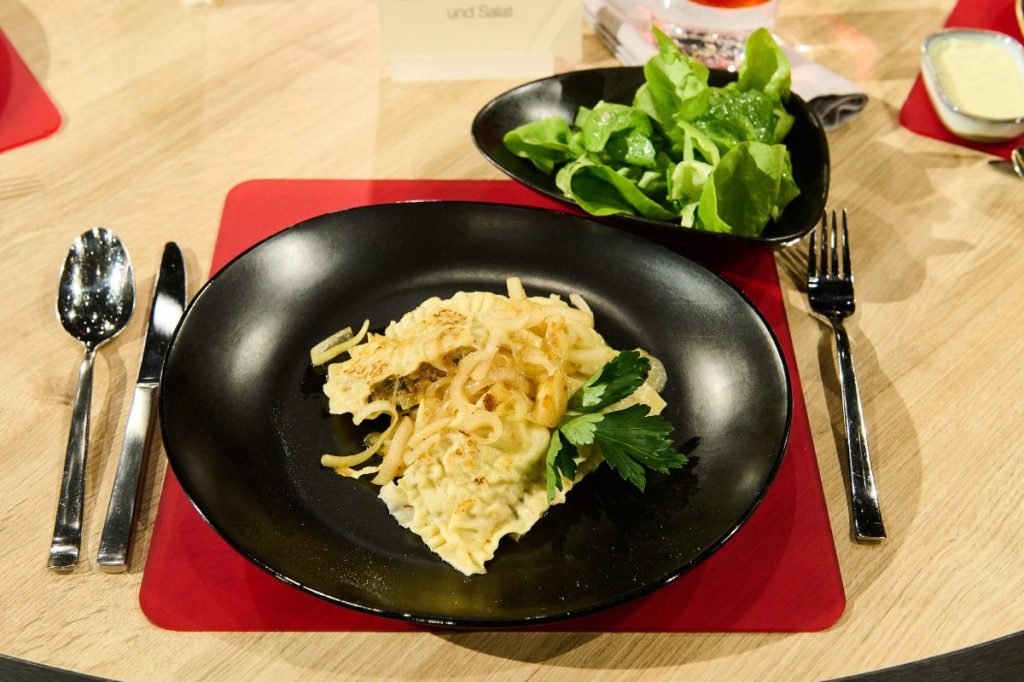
580 430
631 440
561 461
622 375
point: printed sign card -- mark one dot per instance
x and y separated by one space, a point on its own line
467 39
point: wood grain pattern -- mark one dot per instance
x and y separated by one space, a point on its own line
167 107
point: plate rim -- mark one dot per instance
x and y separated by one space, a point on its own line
463 623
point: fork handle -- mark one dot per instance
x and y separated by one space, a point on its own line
867 517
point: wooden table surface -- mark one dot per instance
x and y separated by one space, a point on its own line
167 107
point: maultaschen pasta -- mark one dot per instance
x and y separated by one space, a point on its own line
472 387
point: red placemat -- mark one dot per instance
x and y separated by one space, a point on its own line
919 115
26 112
778 573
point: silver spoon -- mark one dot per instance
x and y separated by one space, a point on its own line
95 300
1015 165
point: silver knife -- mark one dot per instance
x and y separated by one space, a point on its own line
168 305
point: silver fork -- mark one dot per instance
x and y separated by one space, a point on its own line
830 291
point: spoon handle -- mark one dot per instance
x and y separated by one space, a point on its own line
67 529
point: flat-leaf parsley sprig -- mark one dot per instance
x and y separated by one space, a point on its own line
630 439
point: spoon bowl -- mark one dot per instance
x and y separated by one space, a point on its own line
96 295
95 300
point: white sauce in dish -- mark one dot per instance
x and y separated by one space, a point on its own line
980 77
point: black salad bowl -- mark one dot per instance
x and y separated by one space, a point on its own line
564 94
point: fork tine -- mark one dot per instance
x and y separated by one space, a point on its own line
812 252
823 263
832 237
847 271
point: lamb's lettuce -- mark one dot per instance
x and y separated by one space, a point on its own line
765 67
619 133
600 190
747 188
547 143
706 157
675 87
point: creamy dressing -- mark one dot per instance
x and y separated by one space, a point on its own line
980 77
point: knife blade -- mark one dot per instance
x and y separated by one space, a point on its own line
168 306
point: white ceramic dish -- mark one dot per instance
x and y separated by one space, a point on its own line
957 116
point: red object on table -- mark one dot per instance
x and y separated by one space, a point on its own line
26 111
918 114
779 573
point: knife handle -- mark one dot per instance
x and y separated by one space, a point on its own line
117 529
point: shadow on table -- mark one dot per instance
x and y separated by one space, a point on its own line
901 209
891 268
590 651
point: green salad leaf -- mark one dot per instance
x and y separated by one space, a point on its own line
547 143
600 190
617 133
705 157
675 87
746 188
764 67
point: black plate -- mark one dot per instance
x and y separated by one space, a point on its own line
244 422
564 94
